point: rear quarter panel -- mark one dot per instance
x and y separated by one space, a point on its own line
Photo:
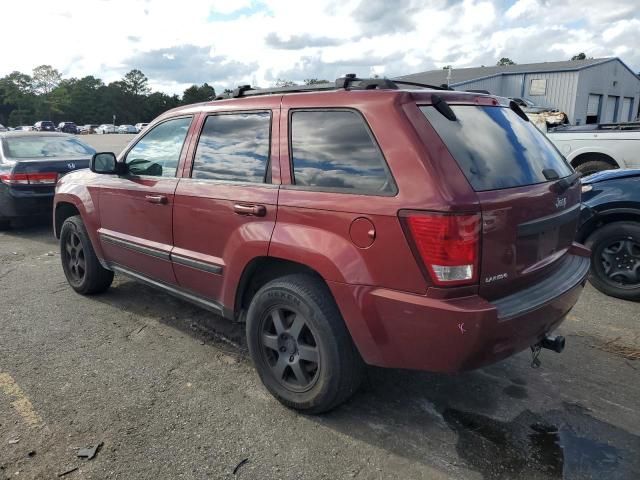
313 226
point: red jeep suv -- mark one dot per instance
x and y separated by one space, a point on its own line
348 224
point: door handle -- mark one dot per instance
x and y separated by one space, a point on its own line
255 210
159 199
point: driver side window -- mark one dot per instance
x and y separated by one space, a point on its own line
157 154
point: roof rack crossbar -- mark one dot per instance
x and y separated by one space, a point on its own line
348 82
423 85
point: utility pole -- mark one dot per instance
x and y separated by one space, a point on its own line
449 76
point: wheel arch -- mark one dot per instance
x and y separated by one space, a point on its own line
606 217
261 270
63 210
590 156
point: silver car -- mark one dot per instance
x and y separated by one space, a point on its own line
127 129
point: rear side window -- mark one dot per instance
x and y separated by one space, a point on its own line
335 150
234 147
495 148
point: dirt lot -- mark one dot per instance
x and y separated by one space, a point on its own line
171 393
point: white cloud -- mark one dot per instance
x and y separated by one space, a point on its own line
254 41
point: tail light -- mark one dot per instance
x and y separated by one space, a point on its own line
448 245
29 178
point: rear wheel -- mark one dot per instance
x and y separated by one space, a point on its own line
300 345
79 261
615 259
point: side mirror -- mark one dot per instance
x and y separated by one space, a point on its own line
104 162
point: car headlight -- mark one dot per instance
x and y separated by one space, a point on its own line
587 188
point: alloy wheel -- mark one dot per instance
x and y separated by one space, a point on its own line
289 348
74 257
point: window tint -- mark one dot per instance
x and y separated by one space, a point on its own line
495 148
158 152
334 149
233 147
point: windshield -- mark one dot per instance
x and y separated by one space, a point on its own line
495 148
45 147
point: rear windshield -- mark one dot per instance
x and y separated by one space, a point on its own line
495 148
45 147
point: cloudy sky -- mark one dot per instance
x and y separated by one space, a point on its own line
231 42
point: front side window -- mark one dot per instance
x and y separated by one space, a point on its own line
234 148
335 150
157 154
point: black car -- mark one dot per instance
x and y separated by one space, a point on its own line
44 126
610 226
30 165
67 127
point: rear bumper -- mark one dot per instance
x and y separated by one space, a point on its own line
15 202
402 330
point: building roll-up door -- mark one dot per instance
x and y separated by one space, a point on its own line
593 108
594 105
625 112
611 110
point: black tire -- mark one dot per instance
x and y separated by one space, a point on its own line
593 166
79 261
615 259
286 366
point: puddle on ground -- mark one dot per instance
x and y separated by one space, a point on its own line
563 444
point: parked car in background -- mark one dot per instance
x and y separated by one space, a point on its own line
127 129
44 126
610 226
106 128
3 128
67 127
87 129
594 148
24 128
375 227
30 165
141 126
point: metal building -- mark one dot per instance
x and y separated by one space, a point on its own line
597 90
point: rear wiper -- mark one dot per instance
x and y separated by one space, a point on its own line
563 183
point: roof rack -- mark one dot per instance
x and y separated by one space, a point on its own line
348 82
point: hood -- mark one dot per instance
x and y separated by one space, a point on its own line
611 175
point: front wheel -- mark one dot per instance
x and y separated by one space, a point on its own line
615 259
79 261
300 345
593 166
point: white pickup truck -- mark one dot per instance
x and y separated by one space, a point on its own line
592 148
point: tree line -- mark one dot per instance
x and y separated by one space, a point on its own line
45 95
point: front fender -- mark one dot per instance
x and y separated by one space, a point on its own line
85 200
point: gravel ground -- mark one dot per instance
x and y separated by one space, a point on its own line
170 393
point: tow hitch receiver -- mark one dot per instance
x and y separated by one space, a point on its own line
550 343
